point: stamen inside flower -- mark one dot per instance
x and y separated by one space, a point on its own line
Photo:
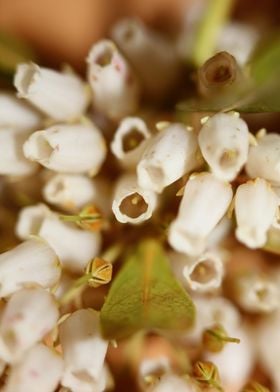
132 140
133 205
128 32
203 272
228 159
40 148
105 58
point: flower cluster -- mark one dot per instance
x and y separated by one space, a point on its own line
114 165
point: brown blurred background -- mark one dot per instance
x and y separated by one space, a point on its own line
63 30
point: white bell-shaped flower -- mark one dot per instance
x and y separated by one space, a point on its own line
204 203
153 56
62 96
16 114
33 262
83 351
12 159
131 203
205 273
224 144
167 157
114 85
71 148
74 247
264 158
28 316
129 141
255 210
69 191
267 341
40 370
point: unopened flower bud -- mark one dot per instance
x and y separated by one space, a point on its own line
100 272
131 203
33 262
224 144
62 96
167 157
205 201
39 370
114 85
77 148
206 373
215 338
255 207
28 316
130 141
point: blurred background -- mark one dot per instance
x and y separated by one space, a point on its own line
62 31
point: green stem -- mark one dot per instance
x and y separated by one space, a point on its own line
209 28
79 218
223 338
76 288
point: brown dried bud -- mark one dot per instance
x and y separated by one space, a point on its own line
218 72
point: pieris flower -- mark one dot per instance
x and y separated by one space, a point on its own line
131 203
69 191
224 144
129 141
255 209
153 57
264 159
16 114
238 39
114 85
28 316
171 382
39 370
62 96
205 273
267 340
12 159
83 351
204 203
167 157
259 294
33 262
77 148
74 247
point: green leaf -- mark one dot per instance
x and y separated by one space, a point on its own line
260 92
145 295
